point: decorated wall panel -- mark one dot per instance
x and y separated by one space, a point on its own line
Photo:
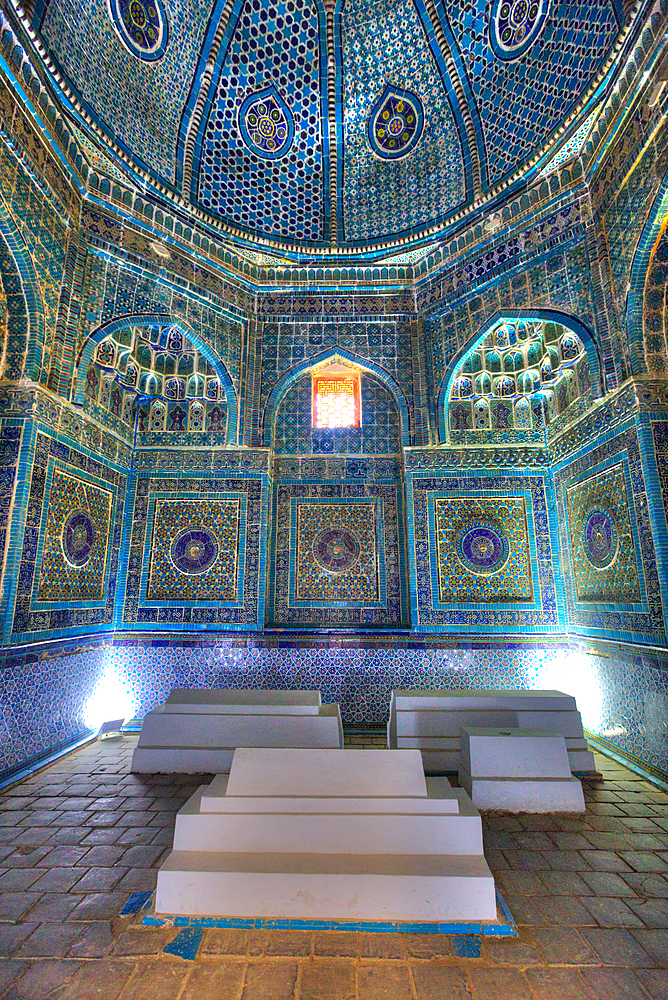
482 552
338 555
67 575
611 580
196 551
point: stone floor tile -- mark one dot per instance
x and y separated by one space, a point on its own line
135 835
641 824
652 912
14 905
103 980
427 946
225 941
99 906
614 984
570 841
616 946
605 861
143 941
289 943
499 984
655 981
607 884
10 834
101 835
58 879
331 944
525 860
42 979
141 856
384 981
25 857
62 856
562 911
611 912
520 883
383 946
49 941
156 980
12 937
564 883
69 835
139 880
319 981
95 941
655 943
533 840
15 879
101 879
645 861
440 983
103 855
525 910
11 969
563 946
645 884
519 950
557 984
567 861
215 981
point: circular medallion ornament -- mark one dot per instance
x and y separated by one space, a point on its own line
482 548
194 551
601 540
336 549
142 26
395 123
515 25
266 124
78 538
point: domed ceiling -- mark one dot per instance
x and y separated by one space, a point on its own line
362 123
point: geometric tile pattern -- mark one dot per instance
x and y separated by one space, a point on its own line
327 536
483 550
521 101
182 531
602 547
280 196
385 42
336 552
62 576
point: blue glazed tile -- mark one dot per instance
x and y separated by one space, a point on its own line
186 943
465 946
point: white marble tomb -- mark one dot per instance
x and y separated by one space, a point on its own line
520 770
430 721
328 834
198 730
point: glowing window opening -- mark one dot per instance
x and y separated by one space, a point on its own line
336 401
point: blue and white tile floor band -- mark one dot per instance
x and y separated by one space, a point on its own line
142 903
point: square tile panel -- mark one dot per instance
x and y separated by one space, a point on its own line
75 541
483 550
603 551
194 551
336 552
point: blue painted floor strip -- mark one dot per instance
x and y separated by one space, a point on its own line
186 943
466 946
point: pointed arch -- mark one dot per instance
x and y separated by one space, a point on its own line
160 319
281 387
509 315
24 303
642 259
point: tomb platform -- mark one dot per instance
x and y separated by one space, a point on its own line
430 721
328 835
518 770
197 731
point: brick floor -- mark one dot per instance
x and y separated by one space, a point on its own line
590 896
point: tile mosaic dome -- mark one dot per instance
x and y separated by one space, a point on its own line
351 125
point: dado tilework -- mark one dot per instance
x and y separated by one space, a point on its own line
618 617
483 550
194 550
603 552
483 553
338 556
336 553
75 540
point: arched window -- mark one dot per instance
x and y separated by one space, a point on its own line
336 396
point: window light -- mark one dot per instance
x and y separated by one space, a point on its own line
336 401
